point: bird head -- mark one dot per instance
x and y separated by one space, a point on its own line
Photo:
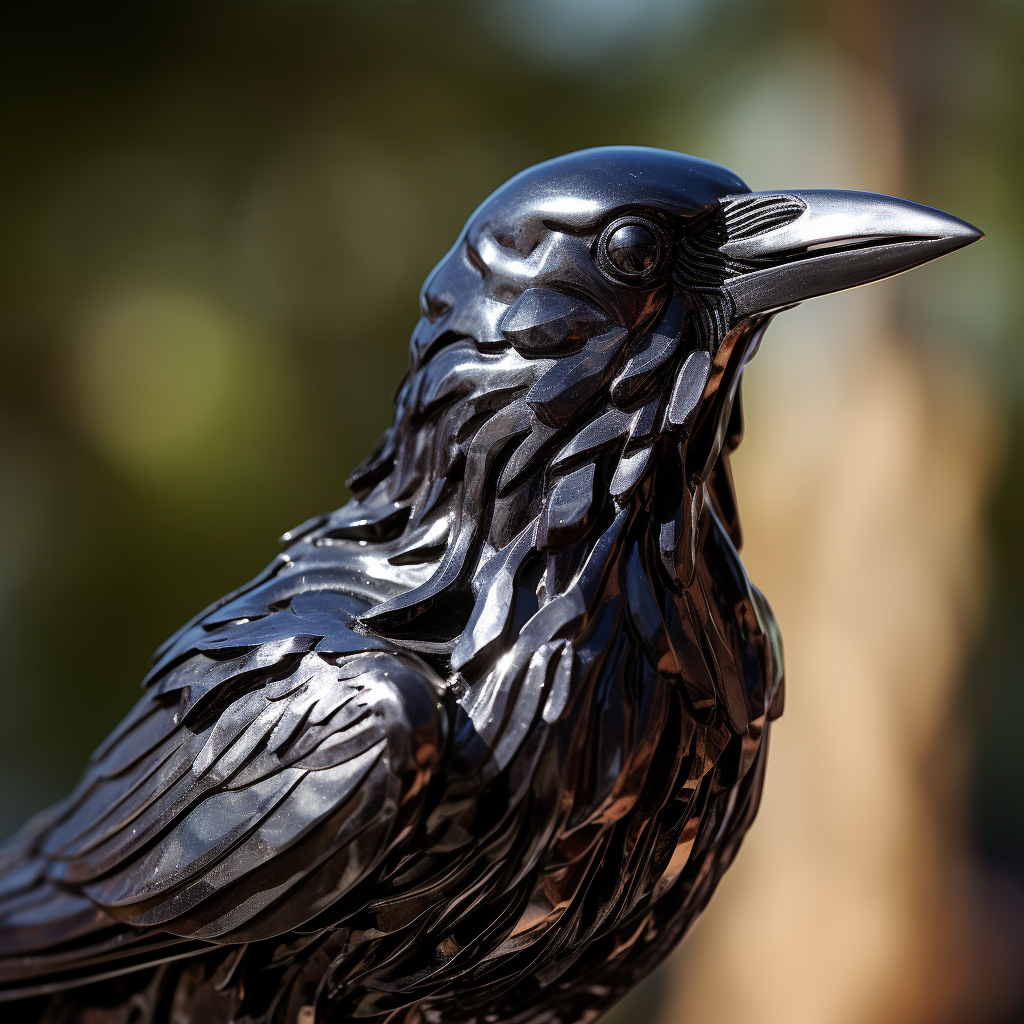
579 353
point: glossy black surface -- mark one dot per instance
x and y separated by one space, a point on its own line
479 745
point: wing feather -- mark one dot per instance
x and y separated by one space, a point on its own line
241 797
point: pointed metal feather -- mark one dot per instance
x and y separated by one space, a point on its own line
558 395
542 321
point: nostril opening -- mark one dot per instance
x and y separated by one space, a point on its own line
434 307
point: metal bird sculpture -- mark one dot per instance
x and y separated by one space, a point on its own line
478 746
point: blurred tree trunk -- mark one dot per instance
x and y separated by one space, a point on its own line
862 487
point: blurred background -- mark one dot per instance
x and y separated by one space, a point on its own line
215 220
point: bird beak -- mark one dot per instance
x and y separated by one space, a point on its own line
839 240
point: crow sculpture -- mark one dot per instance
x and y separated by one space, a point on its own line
478 746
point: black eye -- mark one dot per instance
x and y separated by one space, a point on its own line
631 249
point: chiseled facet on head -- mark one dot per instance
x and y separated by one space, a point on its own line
580 224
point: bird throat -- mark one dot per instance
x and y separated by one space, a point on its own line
513 516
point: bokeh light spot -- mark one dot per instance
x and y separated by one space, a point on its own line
153 372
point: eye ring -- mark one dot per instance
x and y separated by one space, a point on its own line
631 250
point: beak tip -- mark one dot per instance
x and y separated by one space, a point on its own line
965 231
